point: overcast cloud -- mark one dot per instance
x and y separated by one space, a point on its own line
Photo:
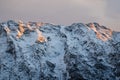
66 12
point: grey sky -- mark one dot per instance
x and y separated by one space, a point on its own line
66 12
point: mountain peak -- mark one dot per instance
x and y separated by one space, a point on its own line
11 28
102 32
43 51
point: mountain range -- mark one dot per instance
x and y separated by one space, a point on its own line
44 51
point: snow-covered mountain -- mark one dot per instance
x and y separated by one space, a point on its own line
43 51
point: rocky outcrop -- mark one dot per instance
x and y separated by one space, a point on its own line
75 52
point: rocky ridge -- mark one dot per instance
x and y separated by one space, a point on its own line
43 51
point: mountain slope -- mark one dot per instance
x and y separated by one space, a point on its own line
42 51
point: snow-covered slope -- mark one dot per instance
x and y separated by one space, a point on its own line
42 51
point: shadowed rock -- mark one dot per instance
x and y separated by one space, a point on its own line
75 52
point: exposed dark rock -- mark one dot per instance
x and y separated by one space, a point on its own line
50 65
70 53
11 48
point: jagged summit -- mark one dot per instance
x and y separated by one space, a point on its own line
20 28
43 51
101 32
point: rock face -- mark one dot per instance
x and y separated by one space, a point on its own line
75 52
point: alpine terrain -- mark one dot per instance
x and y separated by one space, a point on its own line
43 51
